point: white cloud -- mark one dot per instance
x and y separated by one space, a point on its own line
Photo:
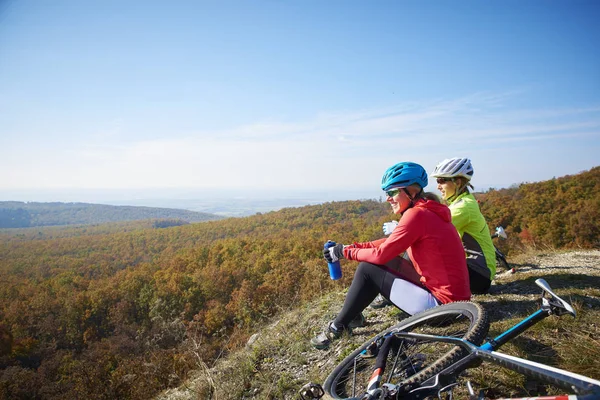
329 151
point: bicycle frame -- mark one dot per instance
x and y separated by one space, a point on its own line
446 378
486 352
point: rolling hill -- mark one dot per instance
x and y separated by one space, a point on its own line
16 214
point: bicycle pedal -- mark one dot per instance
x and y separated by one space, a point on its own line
311 391
373 349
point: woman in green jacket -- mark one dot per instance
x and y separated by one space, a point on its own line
453 181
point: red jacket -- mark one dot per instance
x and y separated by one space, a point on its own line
434 247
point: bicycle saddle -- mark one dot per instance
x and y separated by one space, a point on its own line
554 304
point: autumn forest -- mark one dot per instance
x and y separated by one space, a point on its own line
119 310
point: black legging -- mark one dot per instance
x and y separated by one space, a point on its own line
370 280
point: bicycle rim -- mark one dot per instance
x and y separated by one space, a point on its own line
411 364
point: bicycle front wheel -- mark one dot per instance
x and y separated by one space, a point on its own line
414 363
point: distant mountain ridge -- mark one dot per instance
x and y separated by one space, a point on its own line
17 214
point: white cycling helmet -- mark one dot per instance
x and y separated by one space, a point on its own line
454 167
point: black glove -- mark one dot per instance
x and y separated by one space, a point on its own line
334 253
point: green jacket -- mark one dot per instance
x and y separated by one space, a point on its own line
475 234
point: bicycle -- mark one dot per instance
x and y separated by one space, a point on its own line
426 353
500 258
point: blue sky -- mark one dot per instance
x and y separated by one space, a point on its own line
292 96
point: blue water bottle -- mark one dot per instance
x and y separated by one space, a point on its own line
335 271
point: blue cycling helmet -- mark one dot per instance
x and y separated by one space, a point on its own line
404 174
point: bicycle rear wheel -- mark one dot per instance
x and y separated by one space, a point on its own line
411 364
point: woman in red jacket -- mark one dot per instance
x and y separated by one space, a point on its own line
437 270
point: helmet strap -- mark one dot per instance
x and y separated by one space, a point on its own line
412 198
464 187
460 189
457 192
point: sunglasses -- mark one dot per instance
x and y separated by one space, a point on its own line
393 192
443 180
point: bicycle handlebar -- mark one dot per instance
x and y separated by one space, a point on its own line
500 232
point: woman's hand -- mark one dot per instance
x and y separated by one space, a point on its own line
334 253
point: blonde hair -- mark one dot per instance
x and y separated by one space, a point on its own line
465 184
